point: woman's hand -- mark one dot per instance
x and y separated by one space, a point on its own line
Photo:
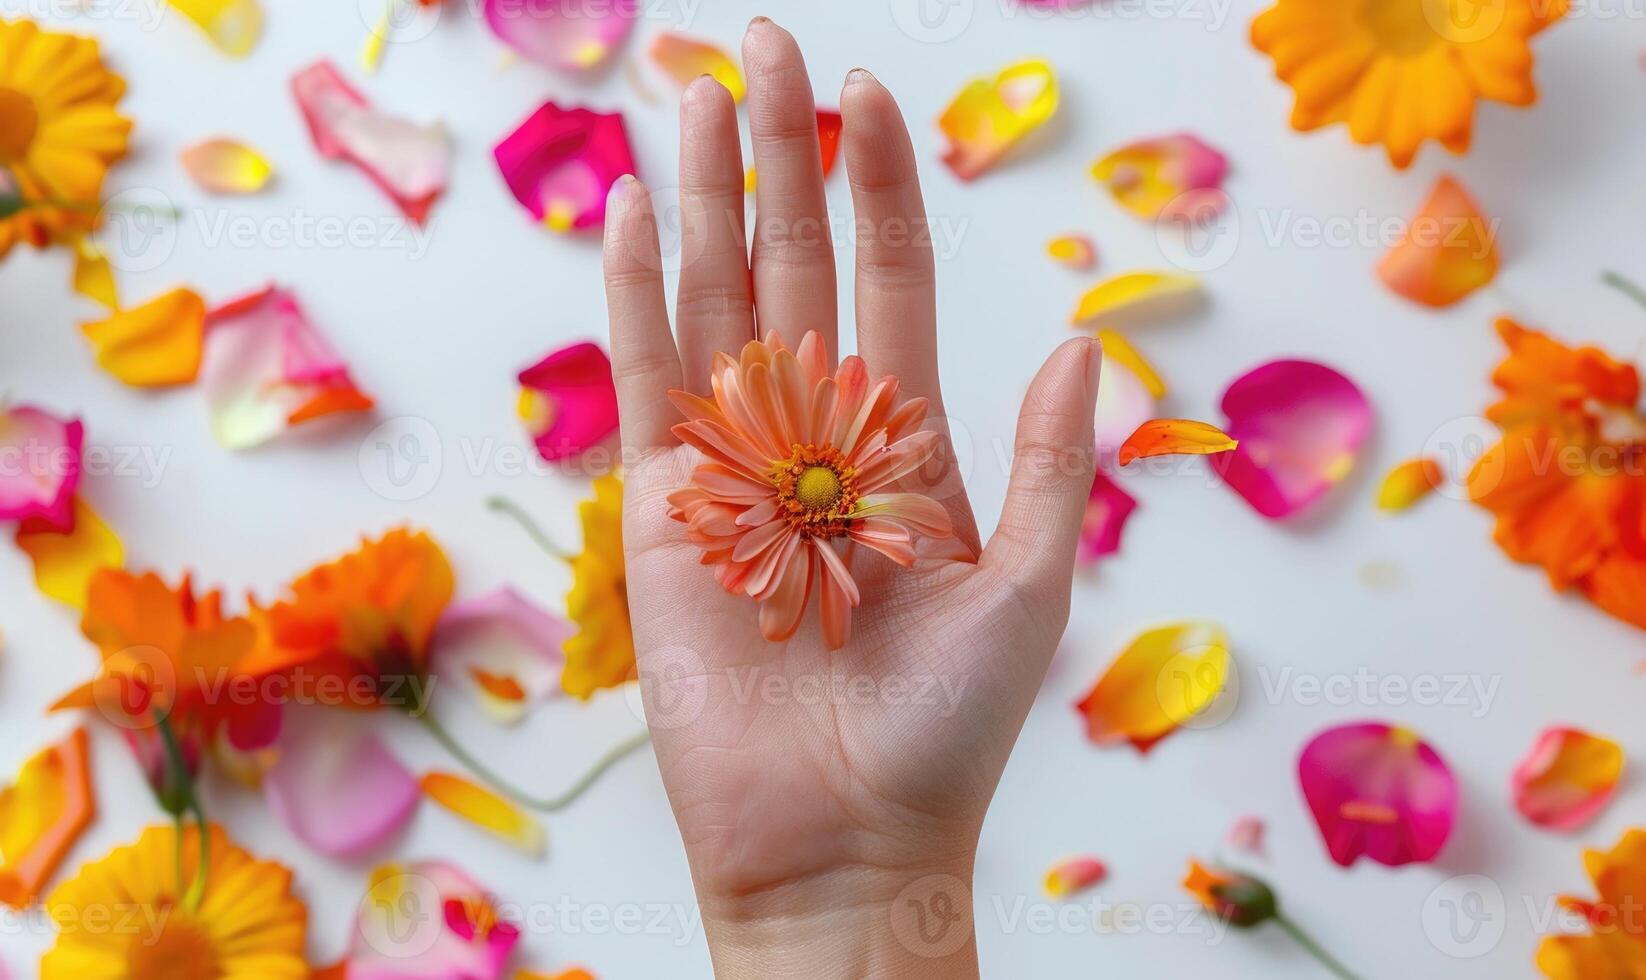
830 801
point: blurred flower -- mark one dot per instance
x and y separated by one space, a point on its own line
801 463
45 470
565 37
1379 791
42 814
1567 778
153 345
247 924
1400 72
1567 482
601 653
429 920
1616 946
1244 901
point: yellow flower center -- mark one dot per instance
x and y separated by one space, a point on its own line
18 121
818 488
181 951
1404 26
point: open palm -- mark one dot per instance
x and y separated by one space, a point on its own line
809 781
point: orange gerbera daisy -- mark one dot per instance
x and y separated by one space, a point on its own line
59 131
1568 479
800 464
1400 72
1617 947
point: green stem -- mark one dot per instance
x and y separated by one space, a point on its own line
179 771
1314 949
550 804
197 889
1624 285
509 508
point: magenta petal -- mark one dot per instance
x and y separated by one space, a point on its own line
561 35
429 921
576 399
1379 791
336 786
39 466
410 162
1107 509
560 164
1300 425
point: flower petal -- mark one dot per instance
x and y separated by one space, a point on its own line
568 400
225 166
1164 678
1567 779
1408 482
153 345
1074 875
560 164
1150 177
428 920
1123 404
1246 835
1448 251
1174 437
1118 350
1107 510
1379 791
1074 251
93 276
42 814
233 25
65 562
686 59
44 469
410 162
1300 426
506 647
1135 295
574 39
991 115
336 786
829 125
486 810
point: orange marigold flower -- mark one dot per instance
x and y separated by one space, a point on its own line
1567 480
369 614
1399 72
601 653
1617 945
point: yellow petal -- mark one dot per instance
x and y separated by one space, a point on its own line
156 344
1164 678
42 815
486 810
65 563
1118 349
1074 251
1408 482
233 25
990 115
93 278
225 166
1074 874
1134 293
1174 437
686 59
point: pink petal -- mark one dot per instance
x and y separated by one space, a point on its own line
506 647
780 613
419 922
39 466
1123 404
1567 779
410 162
336 786
560 164
1246 836
1107 510
916 510
562 36
1300 426
1379 791
576 403
835 610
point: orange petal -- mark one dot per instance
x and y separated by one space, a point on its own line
1118 349
1448 251
42 815
1567 778
153 345
1408 482
93 278
1073 875
1135 294
225 166
990 115
1163 679
486 810
65 562
1174 437
686 59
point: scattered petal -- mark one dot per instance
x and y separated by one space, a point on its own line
45 469
66 561
1567 779
93 276
1107 510
486 810
1175 437
233 25
990 115
1135 295
225 166
1613 945
1164 678
1246 836
507 647
1123 404
336 786
1118 350
1074 251
829 125
559 36
42 814
410 162
1300 426
1379 791
568 401
686 59
1408 482
153 345
561 163
397 938
267 368
1164 177
1073 875
1448 251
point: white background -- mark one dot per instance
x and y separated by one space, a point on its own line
436 331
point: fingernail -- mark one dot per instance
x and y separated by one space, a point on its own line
857 75
759 20
620 189
1094 365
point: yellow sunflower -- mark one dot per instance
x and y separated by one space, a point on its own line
601 654
123 918
59 131
1400 72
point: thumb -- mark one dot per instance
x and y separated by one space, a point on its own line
1052 468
